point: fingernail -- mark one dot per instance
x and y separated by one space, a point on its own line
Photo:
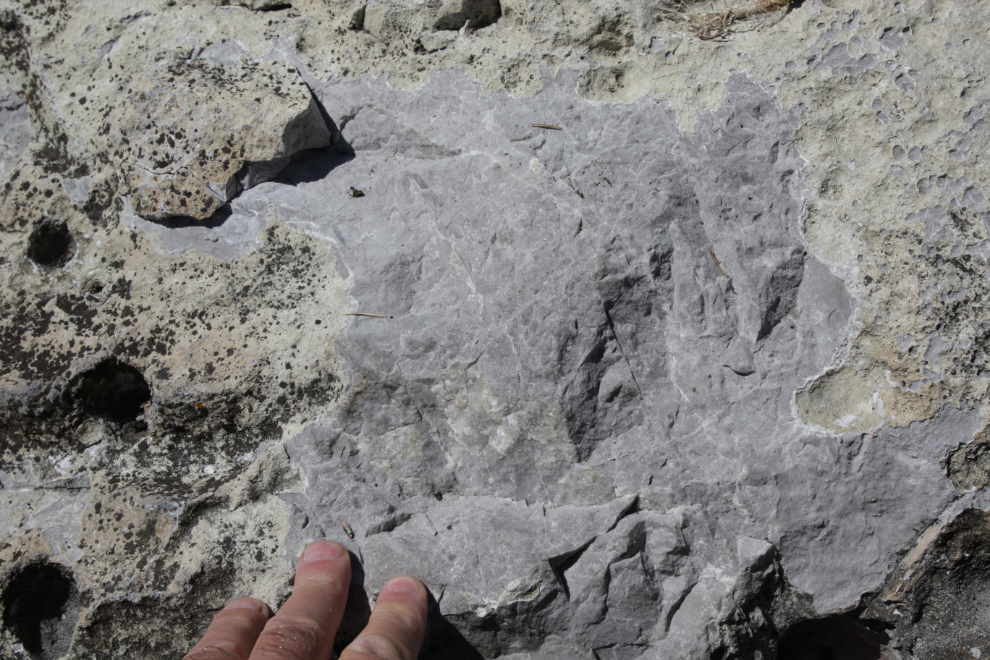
247 604
399 584
322 550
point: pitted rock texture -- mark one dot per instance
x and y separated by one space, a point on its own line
219 129
184 128
698 373
99 340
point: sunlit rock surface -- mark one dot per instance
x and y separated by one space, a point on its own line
629 344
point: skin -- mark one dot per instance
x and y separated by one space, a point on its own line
305 627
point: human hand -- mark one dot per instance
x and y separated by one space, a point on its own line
304 628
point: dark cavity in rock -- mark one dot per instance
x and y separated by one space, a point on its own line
41 606
475 13
357 21
113 390
50 243
831 638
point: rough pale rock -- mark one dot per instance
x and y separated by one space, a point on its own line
191 135
695 369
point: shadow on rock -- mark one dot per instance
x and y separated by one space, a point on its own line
939 599
831 638
443 641
41 606
315 164
357 612
181 222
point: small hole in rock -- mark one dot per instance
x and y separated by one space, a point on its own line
41 606
357 20
50 244
113 390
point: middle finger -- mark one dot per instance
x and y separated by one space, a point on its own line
305 626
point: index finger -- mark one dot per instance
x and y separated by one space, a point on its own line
397 625
305 626
233 631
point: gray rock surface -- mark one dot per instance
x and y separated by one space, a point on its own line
597 373
15 131
630 344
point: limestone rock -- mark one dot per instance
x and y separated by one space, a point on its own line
192 135
630 344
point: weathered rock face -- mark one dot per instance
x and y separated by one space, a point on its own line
947 572
219 129
643 298
630 344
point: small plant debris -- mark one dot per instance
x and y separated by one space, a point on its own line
711 20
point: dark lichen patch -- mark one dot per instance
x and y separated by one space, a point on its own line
158 626
52 158
13 42
150 553
202 328
124 525
27 317
133 544
41 606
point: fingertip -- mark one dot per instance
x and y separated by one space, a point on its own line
322 551
249 604
323 560
403 584
397 625
312 614
233 631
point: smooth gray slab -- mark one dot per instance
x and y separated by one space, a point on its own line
576 316
16 131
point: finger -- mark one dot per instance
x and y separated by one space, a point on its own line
397 625
233 631
305 626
